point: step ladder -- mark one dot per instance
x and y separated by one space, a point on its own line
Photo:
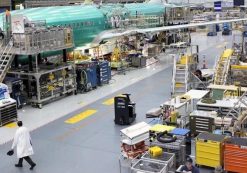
6 58
222 70
237 108
180 81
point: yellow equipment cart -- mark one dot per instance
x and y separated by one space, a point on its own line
209 150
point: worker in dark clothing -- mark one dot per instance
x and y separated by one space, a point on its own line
188 167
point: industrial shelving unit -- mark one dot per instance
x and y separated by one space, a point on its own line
44 80
47 85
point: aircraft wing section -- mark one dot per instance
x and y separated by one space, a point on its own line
117 33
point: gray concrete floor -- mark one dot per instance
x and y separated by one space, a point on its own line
93 145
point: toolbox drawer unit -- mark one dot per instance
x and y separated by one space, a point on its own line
8 112
235 155
209 150
199 124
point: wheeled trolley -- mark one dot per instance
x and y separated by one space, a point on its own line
209 150
235 155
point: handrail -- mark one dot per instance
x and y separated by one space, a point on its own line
201 82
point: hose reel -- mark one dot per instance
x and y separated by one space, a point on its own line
165 137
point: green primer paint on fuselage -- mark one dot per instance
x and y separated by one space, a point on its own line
87 21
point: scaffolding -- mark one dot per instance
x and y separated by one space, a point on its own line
139 21
44 80
40 39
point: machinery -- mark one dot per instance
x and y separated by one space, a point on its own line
49 83
16 87
133 140
124 110
117 61
86 76
227 29
174 145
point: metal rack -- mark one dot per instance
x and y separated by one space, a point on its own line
43 81
48 84
42 39
148 166
178 148
167 158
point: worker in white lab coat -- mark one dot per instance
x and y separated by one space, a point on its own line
23 144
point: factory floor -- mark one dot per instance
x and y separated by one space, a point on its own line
77 133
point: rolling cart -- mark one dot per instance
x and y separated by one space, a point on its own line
235 155
209 150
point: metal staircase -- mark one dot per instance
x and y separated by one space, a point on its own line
222 70
180 83
6 58
237 108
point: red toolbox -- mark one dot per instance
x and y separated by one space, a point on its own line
235 155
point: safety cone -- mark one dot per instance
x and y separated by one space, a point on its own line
204 66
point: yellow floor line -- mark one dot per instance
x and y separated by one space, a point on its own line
108 102
11 125
80 116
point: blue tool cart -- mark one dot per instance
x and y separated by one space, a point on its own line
103 72
86 76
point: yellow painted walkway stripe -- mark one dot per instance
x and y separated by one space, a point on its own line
11 125
108 102
80 116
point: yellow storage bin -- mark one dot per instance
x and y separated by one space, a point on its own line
161 128
155 151
209 150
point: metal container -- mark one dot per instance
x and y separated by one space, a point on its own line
178 148
148 166
167 158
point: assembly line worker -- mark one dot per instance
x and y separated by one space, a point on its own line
23 144
188 167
